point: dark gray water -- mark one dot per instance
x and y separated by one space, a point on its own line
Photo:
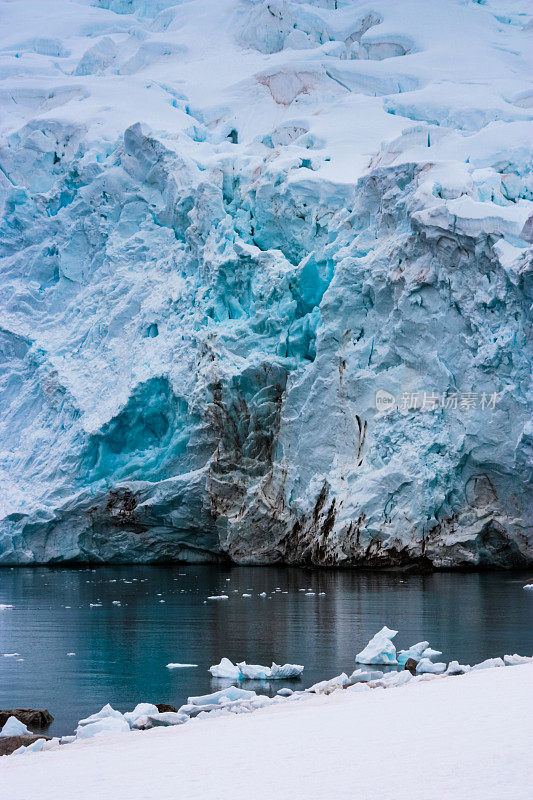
122 651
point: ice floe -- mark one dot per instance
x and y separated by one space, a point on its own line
380 649
180 666
257 672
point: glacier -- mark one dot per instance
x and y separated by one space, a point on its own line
265 282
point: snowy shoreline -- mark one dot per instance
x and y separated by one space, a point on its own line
328 745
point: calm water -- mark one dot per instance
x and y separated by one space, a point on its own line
122 651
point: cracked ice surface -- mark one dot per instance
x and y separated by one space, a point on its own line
225 227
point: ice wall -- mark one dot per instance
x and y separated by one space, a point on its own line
265 282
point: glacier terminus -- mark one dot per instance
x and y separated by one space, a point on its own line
266 282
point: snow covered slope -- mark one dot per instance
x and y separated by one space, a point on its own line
467 737
265 281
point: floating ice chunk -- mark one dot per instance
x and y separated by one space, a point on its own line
180 666
365 675
218 597
140 710
71 654
226 669
285 692
230 693
104 713
14 727
425 665
512 661
5 606
104 725
430 653
329 685
380 649
11 655
116 603
415 651
454 668
253 672
528 586
262 594
95 605
246 595
488 663
286 671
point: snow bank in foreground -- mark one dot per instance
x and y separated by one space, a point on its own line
479 749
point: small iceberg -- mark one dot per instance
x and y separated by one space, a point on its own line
14 727
180 666
415 651
380 649
226 669
218 597
255 672
425 665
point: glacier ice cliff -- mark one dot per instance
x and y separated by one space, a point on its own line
266 282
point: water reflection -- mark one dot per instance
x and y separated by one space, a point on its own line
122 651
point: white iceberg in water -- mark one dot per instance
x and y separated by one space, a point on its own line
380 649
430 653
255 672
180 666
415 651
285 672
226 669
454 668
14 727
425 665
